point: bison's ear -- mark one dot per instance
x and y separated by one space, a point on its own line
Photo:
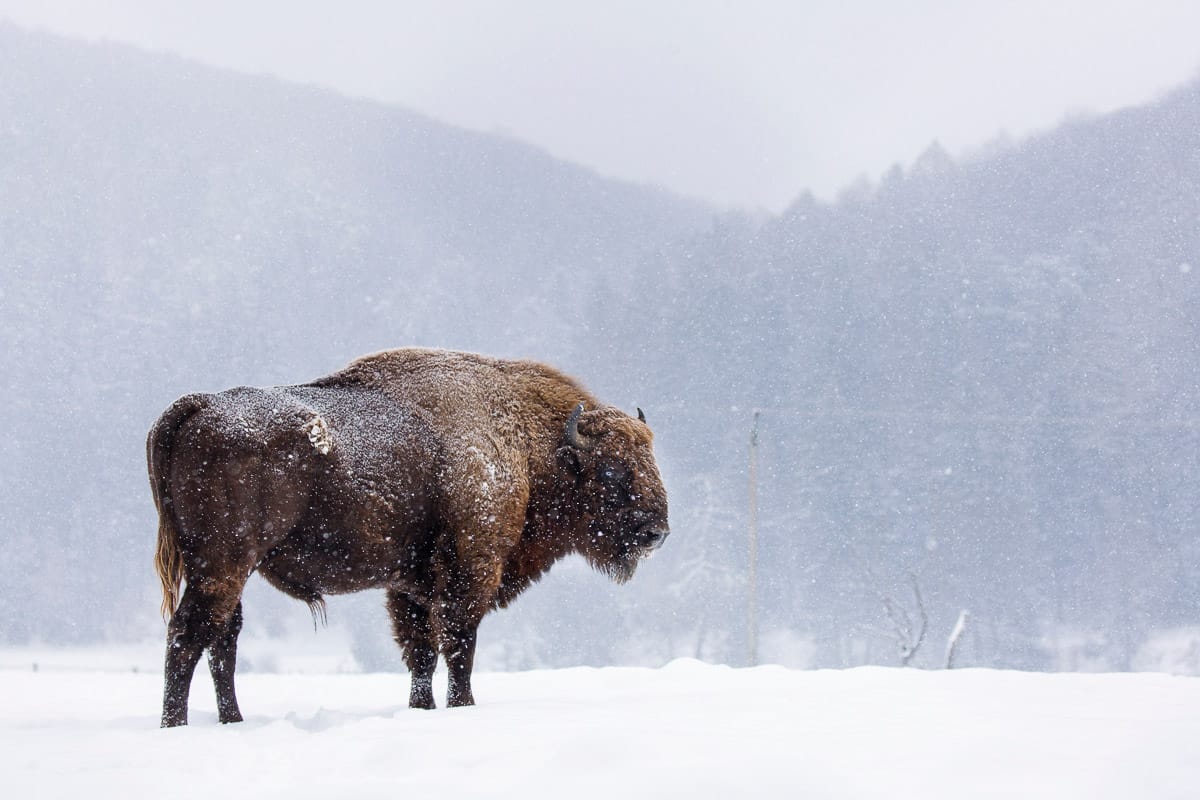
571 459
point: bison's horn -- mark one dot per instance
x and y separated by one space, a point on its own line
571 430
641 416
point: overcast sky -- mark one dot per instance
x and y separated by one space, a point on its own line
742 103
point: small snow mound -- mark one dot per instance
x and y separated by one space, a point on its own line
322 720
690 666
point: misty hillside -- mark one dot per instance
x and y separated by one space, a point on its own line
985 374
980 378
168 228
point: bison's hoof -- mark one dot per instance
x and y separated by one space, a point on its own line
421 697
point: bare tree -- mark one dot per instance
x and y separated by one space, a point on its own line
909 637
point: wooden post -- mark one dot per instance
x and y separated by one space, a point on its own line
752 554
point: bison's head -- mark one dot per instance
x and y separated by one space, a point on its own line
618 494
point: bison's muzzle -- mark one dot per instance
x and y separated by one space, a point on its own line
655 537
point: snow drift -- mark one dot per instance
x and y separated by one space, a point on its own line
686 730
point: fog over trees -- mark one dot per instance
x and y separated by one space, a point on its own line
977 381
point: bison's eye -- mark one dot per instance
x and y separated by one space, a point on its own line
613 474
614 478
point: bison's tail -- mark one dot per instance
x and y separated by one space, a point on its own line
168 560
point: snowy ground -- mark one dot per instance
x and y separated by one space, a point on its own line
686 730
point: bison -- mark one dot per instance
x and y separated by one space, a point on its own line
451 480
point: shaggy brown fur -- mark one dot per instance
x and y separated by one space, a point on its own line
449 479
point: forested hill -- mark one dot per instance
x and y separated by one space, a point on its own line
167 227
983 373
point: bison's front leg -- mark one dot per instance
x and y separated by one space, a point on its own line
469 597
458 648
486 529
410 625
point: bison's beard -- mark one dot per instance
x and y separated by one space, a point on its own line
619 569
618 563
617 549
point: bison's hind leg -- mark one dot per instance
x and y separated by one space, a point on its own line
205 618
414 634
222 660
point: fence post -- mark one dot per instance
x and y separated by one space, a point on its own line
752 554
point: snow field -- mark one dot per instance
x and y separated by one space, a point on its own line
686 730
